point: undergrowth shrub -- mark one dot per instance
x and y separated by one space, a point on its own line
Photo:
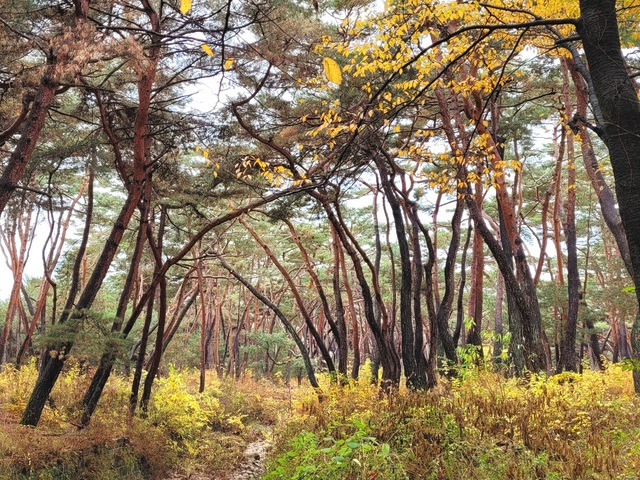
184 431
182 414
482 426
358 455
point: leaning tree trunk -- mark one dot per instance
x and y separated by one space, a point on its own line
606 197
101 375
285 322
568 359
375 354
422 365
459 329
44 97
49 375
17 163
156 249
388 357
443 311
317 336
337 325
477 277
620 107
414 378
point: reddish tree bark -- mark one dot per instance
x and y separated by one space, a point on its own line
298 298
35 119
568 360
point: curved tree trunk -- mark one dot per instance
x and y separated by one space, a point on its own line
298 298
35 119
606 197
459 329
34 123
285 322
620 107
388 356
415 379
49 375
568 359
444 310
337 326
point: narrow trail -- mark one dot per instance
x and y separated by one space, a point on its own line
253 465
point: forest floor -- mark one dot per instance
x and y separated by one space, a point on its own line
252 463
480 425
223 433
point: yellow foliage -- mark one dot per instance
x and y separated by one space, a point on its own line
182 413
185 6
332 70
207 49
485 426
411 51
184 431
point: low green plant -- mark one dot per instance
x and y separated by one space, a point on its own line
358 455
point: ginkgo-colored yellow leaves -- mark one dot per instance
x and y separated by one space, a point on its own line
228 62
332 70
207 49
185 6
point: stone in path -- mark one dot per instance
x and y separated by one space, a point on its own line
254 461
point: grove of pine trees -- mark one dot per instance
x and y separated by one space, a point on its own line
291 188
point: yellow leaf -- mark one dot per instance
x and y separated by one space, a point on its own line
185 6
207 49
228 64
332 70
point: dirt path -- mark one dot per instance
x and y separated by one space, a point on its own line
253 465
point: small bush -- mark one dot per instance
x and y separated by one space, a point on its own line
358 455
183 415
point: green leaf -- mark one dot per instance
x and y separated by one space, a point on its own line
386 449
359 424
630 364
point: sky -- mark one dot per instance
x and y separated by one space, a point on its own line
33 266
